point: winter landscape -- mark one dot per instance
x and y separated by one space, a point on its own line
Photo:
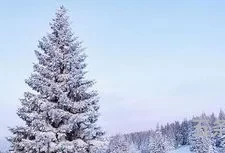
113 77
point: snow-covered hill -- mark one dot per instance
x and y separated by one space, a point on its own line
181 150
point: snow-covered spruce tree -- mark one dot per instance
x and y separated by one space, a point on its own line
202 142
218 129
221 115
185 132
159 143
61 112
178 134
169 133
119 144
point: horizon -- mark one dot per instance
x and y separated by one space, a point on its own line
154 61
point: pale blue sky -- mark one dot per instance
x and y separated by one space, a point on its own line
154 61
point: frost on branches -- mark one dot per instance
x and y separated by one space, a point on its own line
61 113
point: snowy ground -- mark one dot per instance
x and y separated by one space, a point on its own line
181 150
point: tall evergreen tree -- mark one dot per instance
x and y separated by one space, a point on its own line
61 112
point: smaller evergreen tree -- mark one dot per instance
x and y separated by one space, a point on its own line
185 132
202 143
218 128
178 134
221 115
212 119
118 144
169 132
159 143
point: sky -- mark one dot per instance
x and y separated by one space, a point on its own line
155 61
